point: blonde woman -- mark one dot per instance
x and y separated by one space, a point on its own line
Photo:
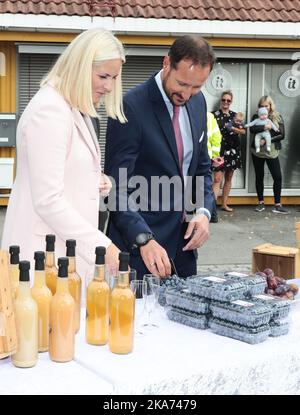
269 157
59 179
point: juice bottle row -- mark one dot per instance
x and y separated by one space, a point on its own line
48 313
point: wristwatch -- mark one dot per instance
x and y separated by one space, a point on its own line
142 239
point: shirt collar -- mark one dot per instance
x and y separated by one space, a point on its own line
161 88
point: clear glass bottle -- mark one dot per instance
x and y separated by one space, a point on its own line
74 281
97 303
26 311
14 272
42 295
62 310
50 268
122 305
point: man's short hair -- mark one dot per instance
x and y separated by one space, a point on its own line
194 48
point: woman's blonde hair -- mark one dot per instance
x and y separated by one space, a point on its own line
273 114
71 75
227 92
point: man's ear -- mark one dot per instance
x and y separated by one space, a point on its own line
166 62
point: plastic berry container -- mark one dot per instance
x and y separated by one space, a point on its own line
216 288
242 312
251 335
197 321
255 284
185 300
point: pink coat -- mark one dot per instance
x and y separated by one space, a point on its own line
56 189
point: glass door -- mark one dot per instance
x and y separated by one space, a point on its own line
233 76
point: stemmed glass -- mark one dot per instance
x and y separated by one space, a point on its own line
138 287
151 292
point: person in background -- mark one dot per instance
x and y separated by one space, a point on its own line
269 157
59 178
264 135
165 137
214 138
230 146
237 122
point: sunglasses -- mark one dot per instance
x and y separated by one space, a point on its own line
226 100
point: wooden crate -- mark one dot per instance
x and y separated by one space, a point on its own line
8 335
283 260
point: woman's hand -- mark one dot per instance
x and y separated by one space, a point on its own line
112 259
105 185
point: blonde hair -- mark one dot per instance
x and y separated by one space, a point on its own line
273 114
227 92
71 75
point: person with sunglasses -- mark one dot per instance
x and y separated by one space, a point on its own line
270 157
230 146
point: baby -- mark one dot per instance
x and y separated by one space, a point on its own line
265 135
238 122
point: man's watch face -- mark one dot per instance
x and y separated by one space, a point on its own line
143 238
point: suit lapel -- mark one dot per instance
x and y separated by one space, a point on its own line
194 116
87 132
163 117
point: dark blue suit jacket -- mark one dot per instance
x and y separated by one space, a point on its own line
145 146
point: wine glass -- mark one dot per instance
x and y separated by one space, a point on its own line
138 287
151 294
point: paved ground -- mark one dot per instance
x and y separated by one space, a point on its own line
233 237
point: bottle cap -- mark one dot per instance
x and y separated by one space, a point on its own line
124 261
100 252
24 267
14 251
39 257
63 264
50 241
70 244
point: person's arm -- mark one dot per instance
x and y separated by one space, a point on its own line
238 130
123 143
203 197
278 136
254 129
48 138
215 139
274 126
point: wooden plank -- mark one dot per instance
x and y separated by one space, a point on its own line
8 339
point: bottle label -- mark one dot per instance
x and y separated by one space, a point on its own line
242 303
215 279
237 274
264 297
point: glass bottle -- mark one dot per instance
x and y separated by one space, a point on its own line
62 310
50 268
97 303
26 311
74 280
42 295
14 272
122 304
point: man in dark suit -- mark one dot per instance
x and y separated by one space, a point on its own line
165 139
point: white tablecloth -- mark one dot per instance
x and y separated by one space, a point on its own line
172 359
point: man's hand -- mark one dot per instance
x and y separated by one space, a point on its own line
198 230
156 259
